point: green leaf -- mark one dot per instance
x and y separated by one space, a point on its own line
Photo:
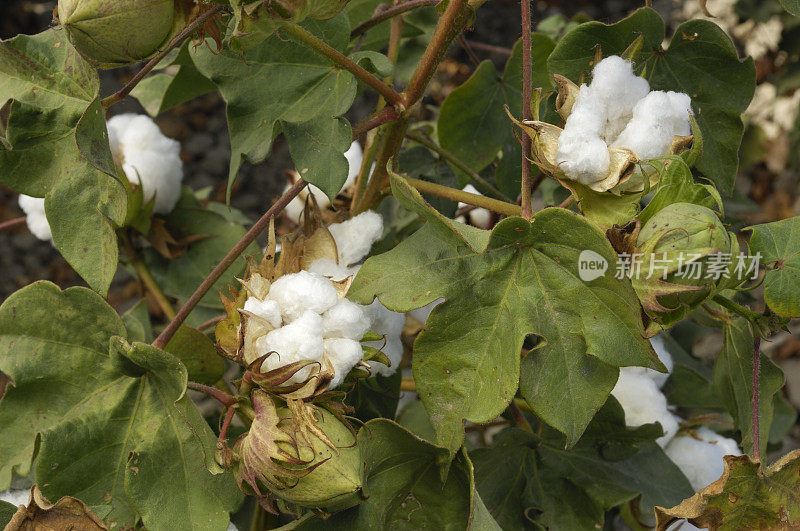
7 512
779 244
403 484
676 185
375 397
747 496
418 162
179 277
792 6
137 323
115 427
198 353
473 124
523 281
56 145
733 379
302 87
169 87
375 62
700 61
415 419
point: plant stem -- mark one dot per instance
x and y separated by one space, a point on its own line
226 262
527 114
213 392
187 31
337 57
390 12
464 44
501 207
11 223
568 202
376 119
489 48
152 286
513 408
755 426
476 178
734 307
211 322
408 384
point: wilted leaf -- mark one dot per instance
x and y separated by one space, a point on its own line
779 244
747 496
66 513
500 286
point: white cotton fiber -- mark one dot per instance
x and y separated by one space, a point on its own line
35 216
422 314
148 158
345 319
392 348
656 119
480 217
583 157
297 292
299 340
619 89
329 268
355 237
644 403
390 325
16 497
342 354
354 156
267 310
700 459
664 356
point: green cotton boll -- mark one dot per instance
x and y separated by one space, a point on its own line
681 253
112 33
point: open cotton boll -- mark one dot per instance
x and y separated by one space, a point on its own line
644 403
297 341
148 158
345 319
342 354
297 292
700 459
480 217
329 268
656 119
582 157
16 497
35 217
354 237
267 310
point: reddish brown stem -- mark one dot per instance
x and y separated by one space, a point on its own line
756 427
390 12
387 114
527 114
518 416
488 47
226 262
187 31
226 423
211 322
213 392
464 44
11 223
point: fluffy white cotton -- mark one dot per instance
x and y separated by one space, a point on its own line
390 325
354 156
298 292
345 319
664 356
480 217
355 237
267 310
644 403
422 314
342 354
35 217
16 497
299 340
656 119
148 158
700 459
617 109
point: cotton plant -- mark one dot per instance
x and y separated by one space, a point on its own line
699 454
611 124
479 217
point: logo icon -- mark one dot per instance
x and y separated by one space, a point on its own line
591 265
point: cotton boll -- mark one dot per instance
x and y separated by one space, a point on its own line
267 310
354 156
582 157
297 341
297 292
148 158
346 319
355 237
384 320
342 354
35 216
701 460
644 403
329 268
480 217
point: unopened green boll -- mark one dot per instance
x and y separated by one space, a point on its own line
111 33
